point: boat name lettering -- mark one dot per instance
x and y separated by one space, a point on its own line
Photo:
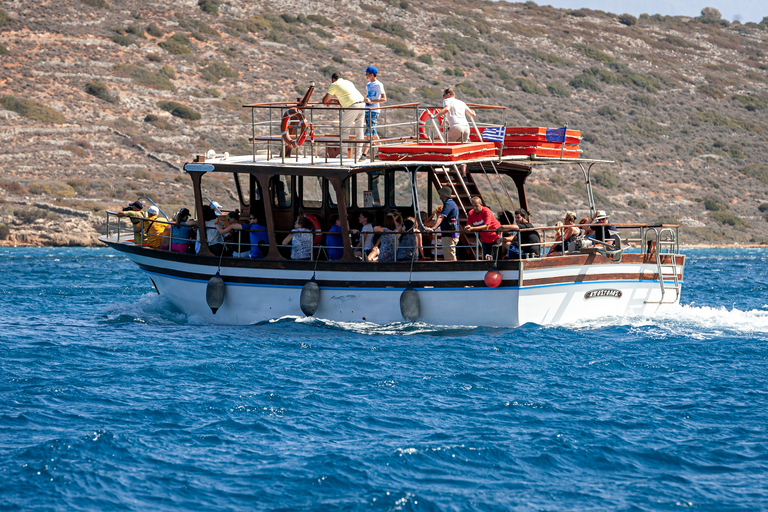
198 167
602 293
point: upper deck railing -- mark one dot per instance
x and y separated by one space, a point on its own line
282 130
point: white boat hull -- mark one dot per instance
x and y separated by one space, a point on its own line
561 294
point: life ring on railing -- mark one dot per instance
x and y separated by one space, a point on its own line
316 223
428 112
294 113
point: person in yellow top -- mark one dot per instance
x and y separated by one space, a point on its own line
154 226
135 212
352 103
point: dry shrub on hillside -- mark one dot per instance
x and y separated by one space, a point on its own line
99 89
179 110
51 188
100 4
215 71
14 187
32 110
5 19
145 76
177 44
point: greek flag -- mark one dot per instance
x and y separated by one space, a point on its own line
556 135
494 134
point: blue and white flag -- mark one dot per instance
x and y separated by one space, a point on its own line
494 134
556 135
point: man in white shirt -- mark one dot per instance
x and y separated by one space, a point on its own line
375 97
455 112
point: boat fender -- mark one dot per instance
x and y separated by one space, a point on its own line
410 306
214 292
310 297
492 278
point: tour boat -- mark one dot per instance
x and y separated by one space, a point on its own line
302 163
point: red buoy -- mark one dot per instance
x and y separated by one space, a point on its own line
493 278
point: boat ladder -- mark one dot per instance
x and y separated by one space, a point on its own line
666 245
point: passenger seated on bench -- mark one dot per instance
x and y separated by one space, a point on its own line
256 232
301 239
334 244
388 239
604 232
529 240
406 251
568 235
366 250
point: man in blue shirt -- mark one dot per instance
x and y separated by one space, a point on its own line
448 220
333 242
258 234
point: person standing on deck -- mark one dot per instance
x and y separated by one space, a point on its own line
456 112
375 97
135 212
448 220
348 97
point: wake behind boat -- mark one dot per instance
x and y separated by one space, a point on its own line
303 165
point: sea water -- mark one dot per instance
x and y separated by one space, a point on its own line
112 400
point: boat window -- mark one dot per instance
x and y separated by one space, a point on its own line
370 189
346 185
494 189
281 191
243 184
311 191
400 189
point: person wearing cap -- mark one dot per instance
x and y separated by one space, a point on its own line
456 112
448 220
216 207
135 212
603 231
155 226
376 96
352 104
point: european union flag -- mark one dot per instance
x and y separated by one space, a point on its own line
494 134
556 135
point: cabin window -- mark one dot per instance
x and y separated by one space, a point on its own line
347 187
400 189
281 187
370 189
311 191
243 185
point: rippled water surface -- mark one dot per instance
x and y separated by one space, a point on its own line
110 399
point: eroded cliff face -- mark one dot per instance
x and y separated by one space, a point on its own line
680 104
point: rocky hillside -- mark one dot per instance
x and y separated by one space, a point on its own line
103 101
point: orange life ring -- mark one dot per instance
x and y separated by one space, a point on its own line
316 223
428 112
294 113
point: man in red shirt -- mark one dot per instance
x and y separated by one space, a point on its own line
480 218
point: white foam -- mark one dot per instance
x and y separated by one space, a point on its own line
699 321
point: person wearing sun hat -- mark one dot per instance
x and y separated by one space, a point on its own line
375 97
603 231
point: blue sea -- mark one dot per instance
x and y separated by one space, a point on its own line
112 400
